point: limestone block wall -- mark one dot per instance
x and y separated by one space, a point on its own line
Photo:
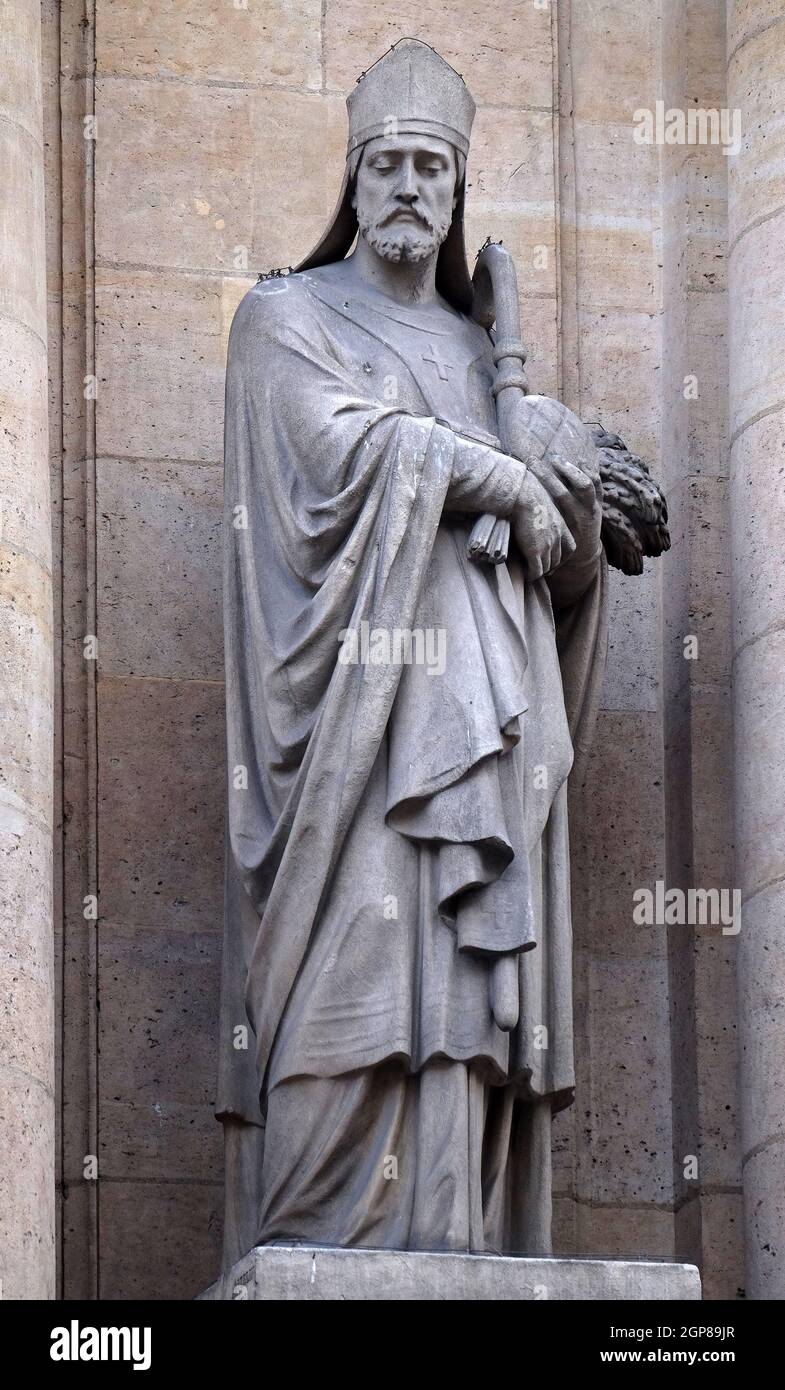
756 208
696 692
213 150
27 1112
617 1191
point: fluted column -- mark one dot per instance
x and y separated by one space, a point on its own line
26 969
756 88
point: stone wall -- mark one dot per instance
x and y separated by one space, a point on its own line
756 291
618 1187
696 602
203 108
27 1112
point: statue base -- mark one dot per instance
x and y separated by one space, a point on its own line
275 1273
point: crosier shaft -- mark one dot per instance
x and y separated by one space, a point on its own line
496 299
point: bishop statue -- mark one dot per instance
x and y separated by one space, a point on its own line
416 556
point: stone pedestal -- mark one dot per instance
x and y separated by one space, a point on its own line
277 1273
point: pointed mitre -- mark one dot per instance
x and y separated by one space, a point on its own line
411 90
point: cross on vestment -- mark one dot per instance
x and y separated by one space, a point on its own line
441 366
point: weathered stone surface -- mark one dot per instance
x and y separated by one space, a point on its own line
703 43
755 324
27 1141
277 42
162 619
707 362
160 366
626 1126
761 1007
179 161
758 472
510 165
717 1047
700 556
757 175
632 675
161 803
746 17
511 198
615 264
26 711
159 996
26 969
759 689
697 749
530 238
616 216
615 59
764 1218
300 144
707 244
623 1161
185 1254
756 71
622 1230
23 294
722 1239
27 1180
505 54
316 1273
606 818
232 290
20 75
617 386
712 777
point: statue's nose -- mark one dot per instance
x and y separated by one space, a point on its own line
407 187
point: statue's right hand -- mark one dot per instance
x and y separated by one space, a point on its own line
540 531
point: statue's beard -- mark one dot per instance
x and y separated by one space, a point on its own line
410 242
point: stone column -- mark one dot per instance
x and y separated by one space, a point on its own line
756 87
27 1176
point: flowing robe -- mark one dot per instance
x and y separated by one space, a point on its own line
394 826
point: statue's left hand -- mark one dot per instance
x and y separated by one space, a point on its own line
577 497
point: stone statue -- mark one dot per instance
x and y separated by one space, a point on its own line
415 628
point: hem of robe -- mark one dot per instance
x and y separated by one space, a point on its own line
560 1100
473 1163
493 1075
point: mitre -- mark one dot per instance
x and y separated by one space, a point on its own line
411 90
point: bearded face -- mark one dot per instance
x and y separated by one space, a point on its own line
408 237
405 195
